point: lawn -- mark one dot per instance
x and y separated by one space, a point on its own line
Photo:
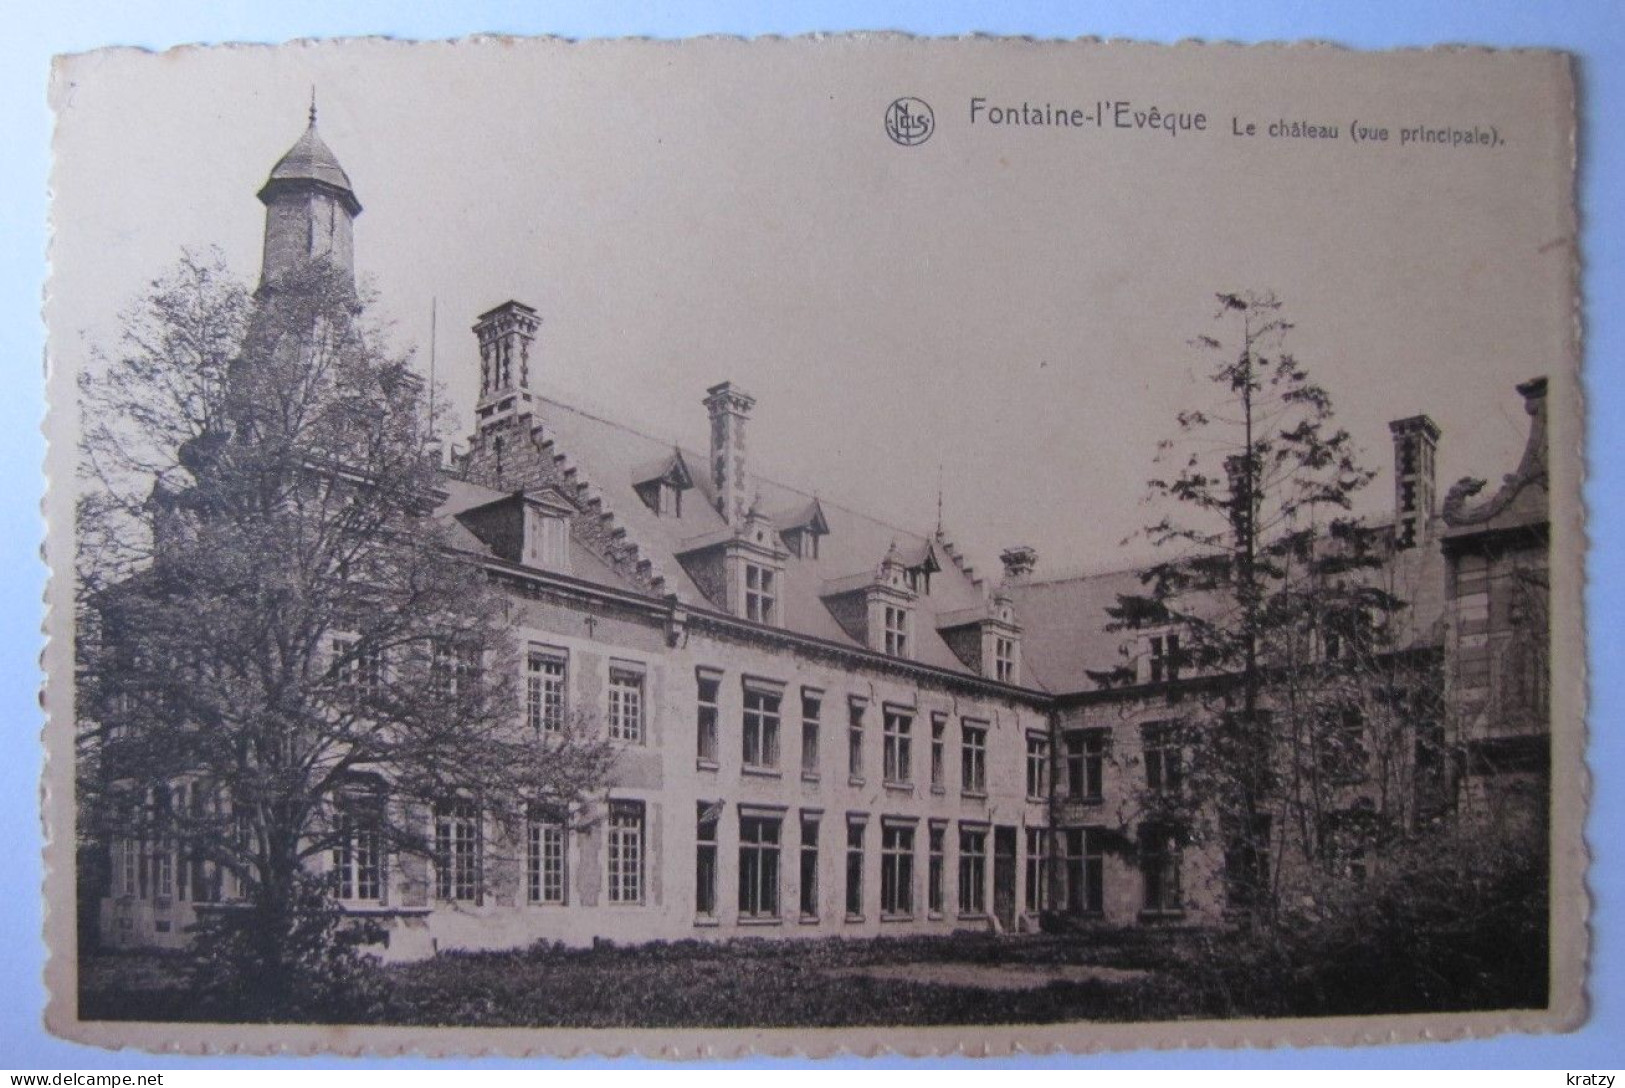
962 979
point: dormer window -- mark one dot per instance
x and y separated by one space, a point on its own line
663 498
761 594
1004 659
919 579
547 539
803 543
1163 660
896 632
802 528
660 484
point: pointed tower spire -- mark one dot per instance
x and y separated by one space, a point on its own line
309 208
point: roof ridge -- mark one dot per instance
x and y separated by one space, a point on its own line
823 499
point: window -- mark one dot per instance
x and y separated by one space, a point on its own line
1346 841
547 540
919 579
1159 866
802 542
358 858
812 704
456 850
759 866
761 594
896 870
854 868
854 740
1343 754
626 852
1164 657
1085 764
1004 660
896 631
935 866
939 728
972 870
899 747
362 671
625 704
454 667
705 724
1083 869
544 857
705 859
545 670
973 758
1037 870
128 866
1163 771
1247 861
809 865
1037 765
761 729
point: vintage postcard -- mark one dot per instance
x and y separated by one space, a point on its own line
813 546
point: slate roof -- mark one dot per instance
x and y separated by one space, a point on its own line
614 458
311 160
1067 629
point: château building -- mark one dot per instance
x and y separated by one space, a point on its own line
829 725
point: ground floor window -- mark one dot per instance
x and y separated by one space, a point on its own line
854 868
1160 868
809 866
456 850
358 859
705 859
544 856
759 866
1084 871
625 869
897 870
972 870
1038 868
936 866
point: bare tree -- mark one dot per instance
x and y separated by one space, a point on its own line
283 656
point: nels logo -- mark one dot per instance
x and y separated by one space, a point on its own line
909 121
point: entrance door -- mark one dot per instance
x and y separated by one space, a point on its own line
1004 876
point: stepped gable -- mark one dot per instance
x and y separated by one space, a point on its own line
613 457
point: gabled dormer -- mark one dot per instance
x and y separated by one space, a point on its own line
802 529
987 639
876 607
531 527
740 568
661 484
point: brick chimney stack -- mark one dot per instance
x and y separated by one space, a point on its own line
1019 562
1416 442
729 408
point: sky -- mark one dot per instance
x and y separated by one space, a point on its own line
1001 315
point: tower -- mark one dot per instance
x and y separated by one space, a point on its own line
310 209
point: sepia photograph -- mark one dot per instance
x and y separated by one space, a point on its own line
788 545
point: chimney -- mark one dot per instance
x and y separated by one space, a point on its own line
1019 562
1416 441
505 335
729 409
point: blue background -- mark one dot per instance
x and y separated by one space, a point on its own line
1594 31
